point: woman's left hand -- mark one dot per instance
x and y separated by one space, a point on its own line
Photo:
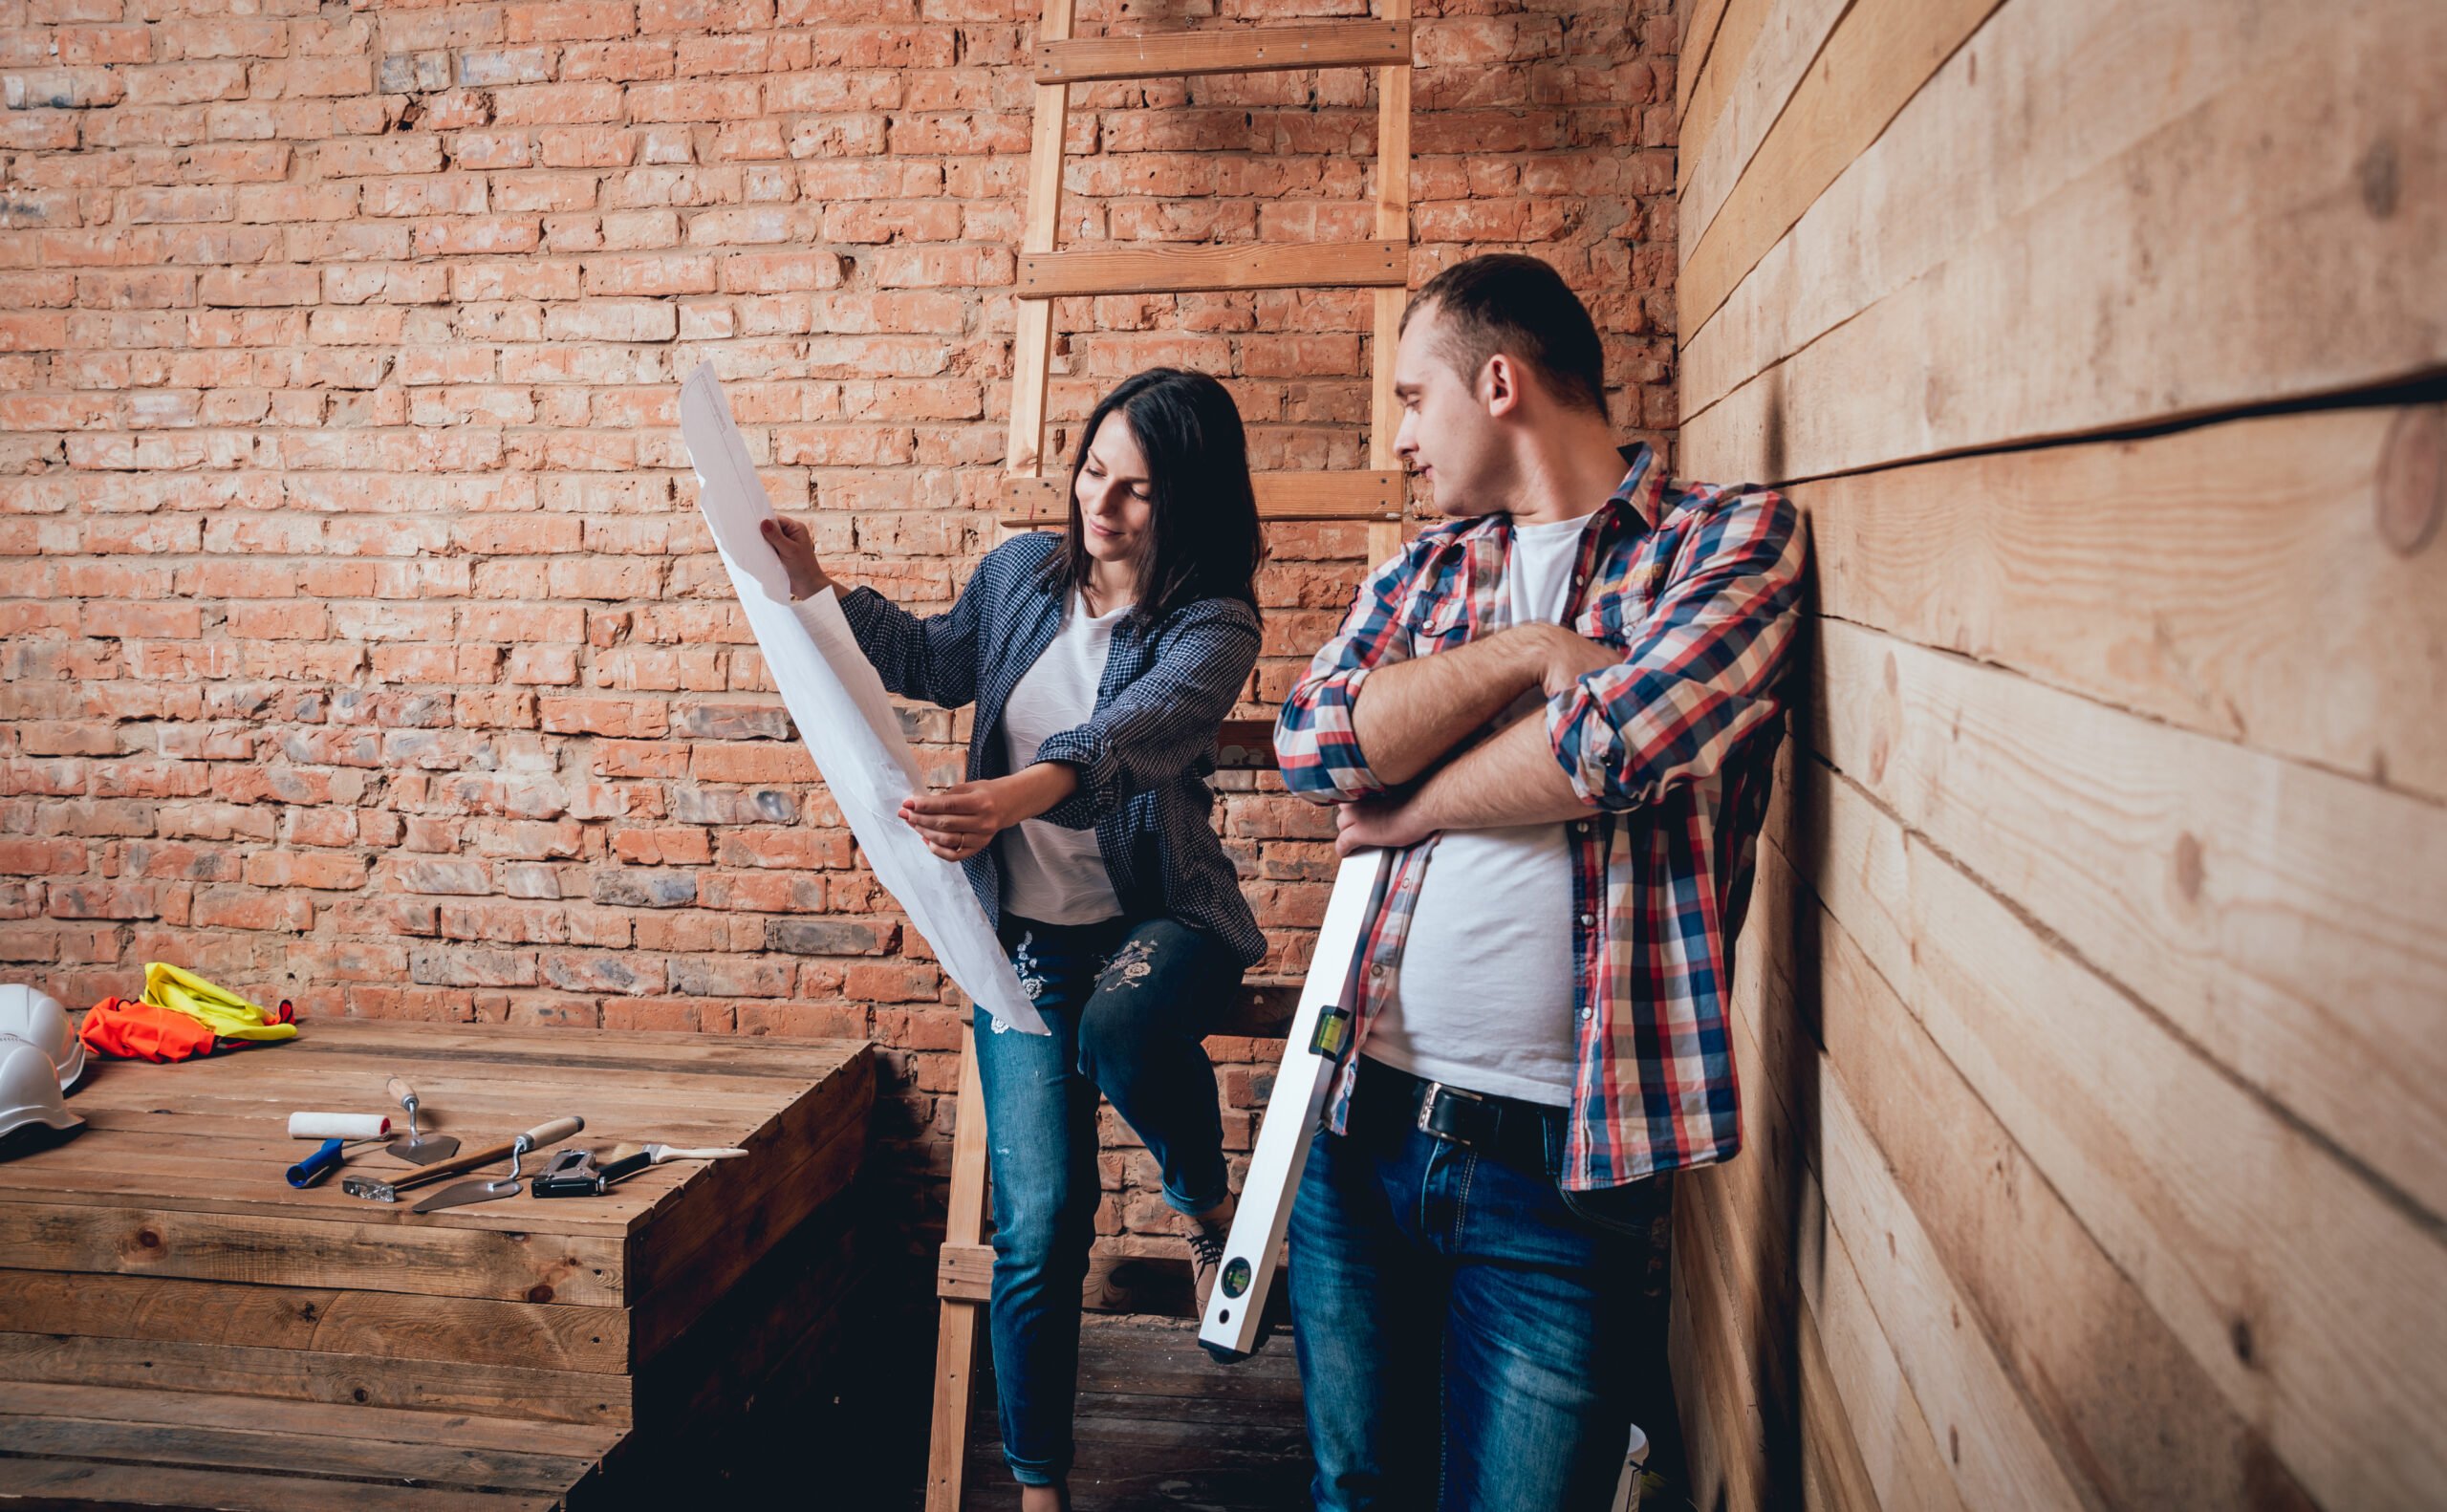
964 819
961 820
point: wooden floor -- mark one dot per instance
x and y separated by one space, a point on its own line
1161 1425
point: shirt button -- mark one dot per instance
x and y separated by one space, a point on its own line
1580 827
1587 920
1376 971
1584 1013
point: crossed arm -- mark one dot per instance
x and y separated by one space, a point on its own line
1623 725
1412 713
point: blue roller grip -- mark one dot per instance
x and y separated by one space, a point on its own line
316 1166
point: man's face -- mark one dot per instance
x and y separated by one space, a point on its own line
1448 434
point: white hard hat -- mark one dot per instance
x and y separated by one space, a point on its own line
35 1016
30 1090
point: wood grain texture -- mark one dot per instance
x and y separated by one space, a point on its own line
1997 1452
1386 305
1226 50
1704 89
2088 79
176 1323
2282 918
328 1320
1032 339
2169 576
958 1320
2284 239
2231 1224
1762 1219
281 1376
1884 51
2135 1418
1706 171
1699 20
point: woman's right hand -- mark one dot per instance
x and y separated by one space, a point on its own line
795 545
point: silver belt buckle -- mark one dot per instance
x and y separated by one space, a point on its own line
1435 1092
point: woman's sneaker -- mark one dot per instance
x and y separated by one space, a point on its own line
1207 1233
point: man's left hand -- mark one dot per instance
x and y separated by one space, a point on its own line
1390 822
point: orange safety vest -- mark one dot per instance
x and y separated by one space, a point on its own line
146 1032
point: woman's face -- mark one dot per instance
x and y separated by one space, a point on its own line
1114 492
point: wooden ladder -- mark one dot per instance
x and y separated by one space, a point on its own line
1030 499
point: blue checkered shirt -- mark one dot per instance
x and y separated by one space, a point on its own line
1144 755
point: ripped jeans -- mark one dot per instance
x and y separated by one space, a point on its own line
1127 1005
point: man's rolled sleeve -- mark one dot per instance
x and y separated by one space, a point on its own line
1316 745
1701 674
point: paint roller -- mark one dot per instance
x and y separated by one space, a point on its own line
337 1131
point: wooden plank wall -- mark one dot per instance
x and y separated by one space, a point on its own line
2093 998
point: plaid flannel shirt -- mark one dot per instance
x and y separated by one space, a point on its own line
1671 748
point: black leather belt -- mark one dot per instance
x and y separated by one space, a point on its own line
1505 1128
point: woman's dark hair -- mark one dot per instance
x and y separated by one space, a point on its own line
1201 539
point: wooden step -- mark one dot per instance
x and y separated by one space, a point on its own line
1030 503
1246 50
1210 270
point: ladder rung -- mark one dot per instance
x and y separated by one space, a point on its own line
965 1272
1206 269
1244 50
1028 501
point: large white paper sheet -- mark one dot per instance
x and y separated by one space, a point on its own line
842 713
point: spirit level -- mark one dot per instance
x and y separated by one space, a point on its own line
1234 1325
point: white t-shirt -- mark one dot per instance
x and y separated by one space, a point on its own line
1483 995
1050 873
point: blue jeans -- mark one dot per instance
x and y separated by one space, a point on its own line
1470 1341
1127 1005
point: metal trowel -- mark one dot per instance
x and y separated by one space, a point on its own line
463 1193
417 1148
375 1189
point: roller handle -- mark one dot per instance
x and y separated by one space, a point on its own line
338 1126
316 1166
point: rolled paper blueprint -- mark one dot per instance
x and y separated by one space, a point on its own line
842 713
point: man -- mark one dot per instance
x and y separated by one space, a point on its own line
1558 708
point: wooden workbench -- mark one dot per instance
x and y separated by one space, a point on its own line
179 1327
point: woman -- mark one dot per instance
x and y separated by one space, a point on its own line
1101 662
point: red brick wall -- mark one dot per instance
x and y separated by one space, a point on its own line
363 643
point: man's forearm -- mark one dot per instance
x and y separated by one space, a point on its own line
1510 778
1411 713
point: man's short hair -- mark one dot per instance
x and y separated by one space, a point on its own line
1516 305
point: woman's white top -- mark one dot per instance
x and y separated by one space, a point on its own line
1050 873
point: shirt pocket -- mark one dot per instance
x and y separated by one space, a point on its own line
1442 627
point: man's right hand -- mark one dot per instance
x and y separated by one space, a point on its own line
1562 657
795 545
